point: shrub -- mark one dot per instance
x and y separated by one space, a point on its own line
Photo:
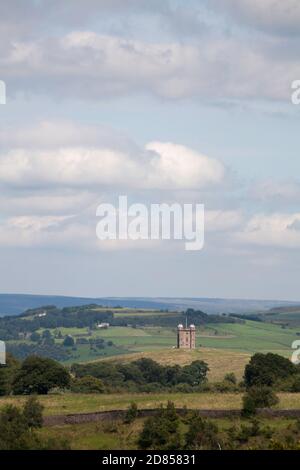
33 413
17 429
258 397
131 413
161 431
87 384
201 434
231 378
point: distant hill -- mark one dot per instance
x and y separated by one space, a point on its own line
13 304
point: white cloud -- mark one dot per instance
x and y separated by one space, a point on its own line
274 230
50 190
158 165
89 65
181 167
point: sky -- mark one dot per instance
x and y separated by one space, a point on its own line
162 101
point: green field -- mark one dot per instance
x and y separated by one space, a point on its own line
253 337
248 337
86 403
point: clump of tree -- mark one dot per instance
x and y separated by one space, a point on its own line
43 349
145 375
39 375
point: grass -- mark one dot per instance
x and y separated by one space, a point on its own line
97 436
119 436
85 354
252 337
86 403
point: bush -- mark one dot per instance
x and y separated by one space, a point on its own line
33 413
87 384
17 429
258 397
161 431
231 378
201 434
131 413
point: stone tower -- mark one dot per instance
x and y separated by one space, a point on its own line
186 337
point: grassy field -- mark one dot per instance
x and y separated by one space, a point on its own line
247 337
120 436
238 340
253 337
83 403
219 362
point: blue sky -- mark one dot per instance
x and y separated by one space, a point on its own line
90 84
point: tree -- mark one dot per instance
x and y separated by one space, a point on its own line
46 334
14 433
35 337
258 397
267 369
7 373
194 373
39 375
18 429
33 413
151 370
69 341
162 430
201 434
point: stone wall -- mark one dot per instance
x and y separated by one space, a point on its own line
80 418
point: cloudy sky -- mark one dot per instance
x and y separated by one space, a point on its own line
164 101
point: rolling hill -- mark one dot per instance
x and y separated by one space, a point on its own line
14 304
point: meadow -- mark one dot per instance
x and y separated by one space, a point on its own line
119 436
58 404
